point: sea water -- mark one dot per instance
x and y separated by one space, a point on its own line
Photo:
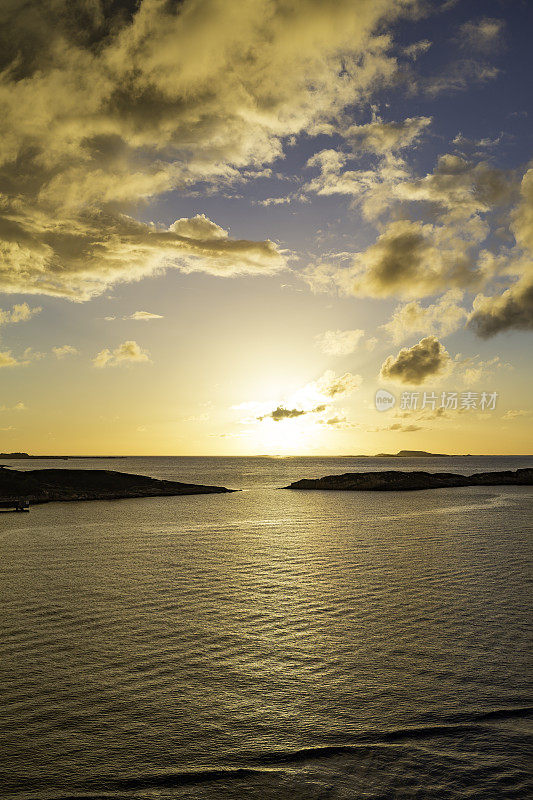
268 643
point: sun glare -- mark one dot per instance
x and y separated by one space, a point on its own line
287 437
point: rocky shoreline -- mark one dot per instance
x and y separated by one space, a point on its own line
53 485
395 480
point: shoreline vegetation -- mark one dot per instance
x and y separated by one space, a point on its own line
395 480
60 485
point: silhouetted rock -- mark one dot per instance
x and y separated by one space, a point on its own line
394 480
47 485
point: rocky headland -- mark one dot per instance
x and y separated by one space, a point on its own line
49 485
395 480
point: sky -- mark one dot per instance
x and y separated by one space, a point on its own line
225 226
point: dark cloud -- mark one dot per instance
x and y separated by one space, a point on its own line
281 412
428 359
512 309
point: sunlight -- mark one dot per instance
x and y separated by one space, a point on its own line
288 437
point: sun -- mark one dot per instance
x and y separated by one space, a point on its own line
287 437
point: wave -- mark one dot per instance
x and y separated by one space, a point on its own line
271 762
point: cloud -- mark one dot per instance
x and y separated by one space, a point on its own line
384 137
275 201
482 35
441 318
331 385
280 413
337 421
143 316
460 186
342 343
522 222
316 397
515 413
458 76
7 360
511 309
397 427
20 406
474 368
432 229
428 359
101 249
126 353
20 312
64 350
417 49
132 100
406 260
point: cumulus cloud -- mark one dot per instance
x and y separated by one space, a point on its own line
20 312
460 186
64 350
511 309
130 100
384 137
341 342
426 360
7 360
440 318
411 259
143 316
126 353
432 229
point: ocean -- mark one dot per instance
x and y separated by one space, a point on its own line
269 644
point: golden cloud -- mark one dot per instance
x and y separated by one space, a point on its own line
415 365
440 318
105 108
126 353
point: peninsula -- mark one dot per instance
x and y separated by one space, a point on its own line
21 456
394 480
49 485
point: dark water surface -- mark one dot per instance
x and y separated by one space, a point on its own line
269 644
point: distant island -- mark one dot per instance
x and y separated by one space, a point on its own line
412 454
49 485
395 480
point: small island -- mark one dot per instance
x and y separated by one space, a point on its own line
412 454
395 481
49 485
